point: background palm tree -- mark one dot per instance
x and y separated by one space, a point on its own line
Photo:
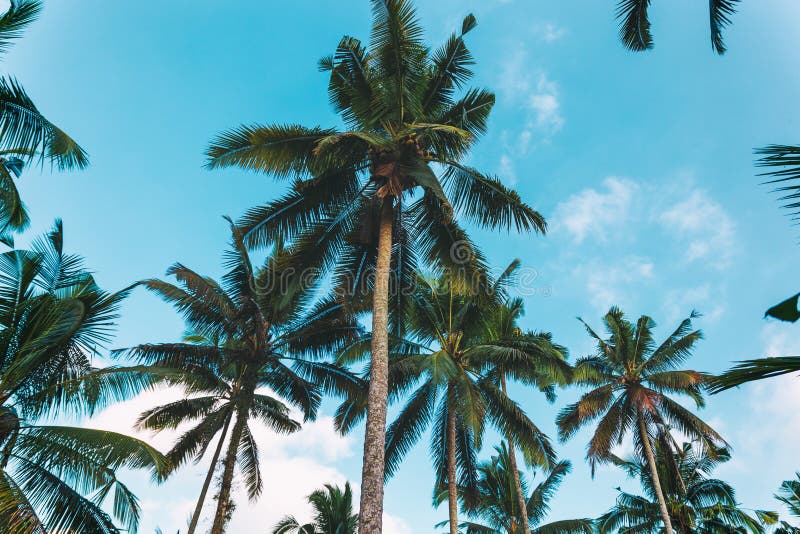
447 358
631 380
257 329
25 134
541 371
55 478
635 23
498 506
333 514
789 496
368 199
697 503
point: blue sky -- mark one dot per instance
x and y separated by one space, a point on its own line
642 164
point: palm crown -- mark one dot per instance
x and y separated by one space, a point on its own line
632 378
405 122
333 514
256 330
55 478
696 502
498 506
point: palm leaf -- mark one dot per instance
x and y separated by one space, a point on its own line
26 132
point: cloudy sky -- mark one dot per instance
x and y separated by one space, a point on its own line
642 164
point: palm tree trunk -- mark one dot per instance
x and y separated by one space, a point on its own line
207 482
228 465
651 461
370 519
452 488
512 456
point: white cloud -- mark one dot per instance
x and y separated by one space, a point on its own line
546 105
549 32
532 90
678 303
507 171
590 213
706 228
612 284
395 525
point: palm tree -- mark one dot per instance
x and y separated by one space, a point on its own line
451 357
56 478
498 506
631 380
257 329
542 374
635 23
368 200
789 496
25 134
333 514
696 502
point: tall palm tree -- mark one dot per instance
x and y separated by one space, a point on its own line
449 357
502 325
333 514
367 199
25 134
697 503
631 380
257 330
635 23
56 478
498 507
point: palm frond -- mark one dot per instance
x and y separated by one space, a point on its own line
750 370
634 24
27 133
720 12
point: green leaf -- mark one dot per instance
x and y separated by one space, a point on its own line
786 310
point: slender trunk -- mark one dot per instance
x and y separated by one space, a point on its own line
452 487
228 465
651 460
207 483
512 456
370 517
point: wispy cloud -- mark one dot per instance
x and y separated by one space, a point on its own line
532 90
549 32
546 105
507 171
612 284
591 212
704 226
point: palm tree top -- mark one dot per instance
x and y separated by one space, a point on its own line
631 376
697 502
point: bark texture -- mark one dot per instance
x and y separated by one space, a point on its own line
512 455
223 500
452 476
651 461
370 519
209 477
